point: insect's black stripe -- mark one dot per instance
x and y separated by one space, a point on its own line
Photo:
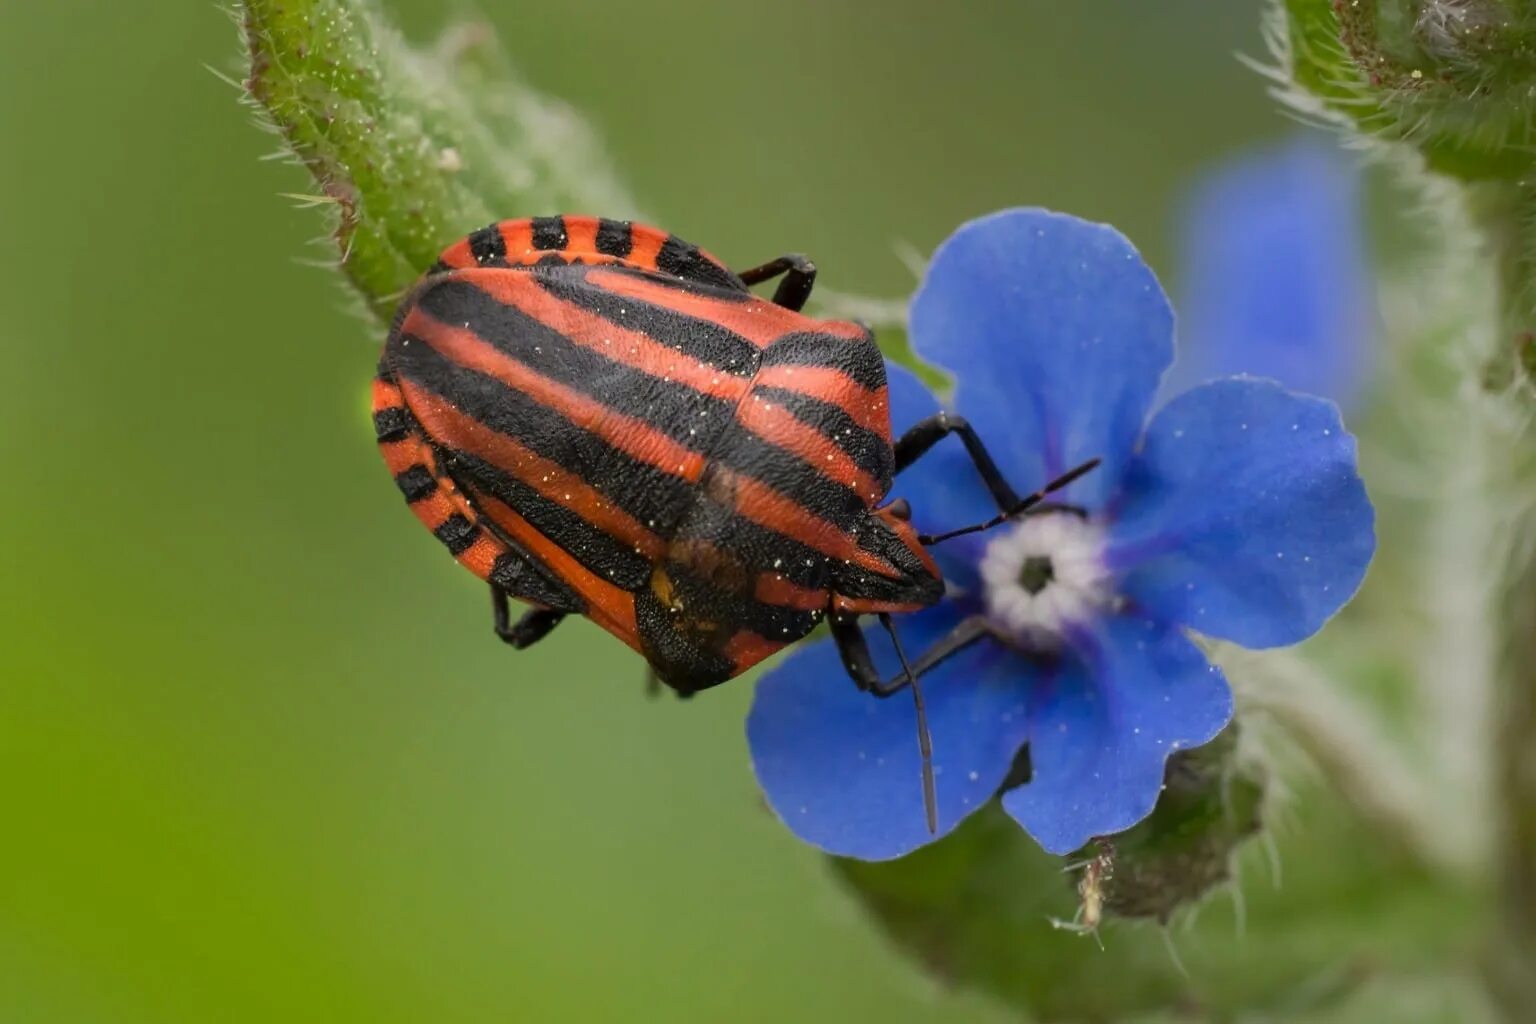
689 417
416 483
850 579
744 452
392 424
758 548
705 341
384 373
868 450
647 494
457 533
607 557
681 660
615 237
549 233
551 259
516 572
880 543
861 361
681 259
488 247
700 422
740 611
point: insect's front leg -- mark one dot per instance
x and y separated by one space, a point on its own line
924 434
799 276
854 649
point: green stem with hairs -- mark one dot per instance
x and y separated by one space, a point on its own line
1450 86
1512 238
413 148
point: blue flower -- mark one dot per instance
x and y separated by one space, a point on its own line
1236 512
1274 277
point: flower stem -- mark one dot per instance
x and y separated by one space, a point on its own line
1371 771
412 148
1508 214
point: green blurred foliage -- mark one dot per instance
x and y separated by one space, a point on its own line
260 756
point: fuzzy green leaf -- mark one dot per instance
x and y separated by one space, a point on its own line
413 148
977 908
1211 802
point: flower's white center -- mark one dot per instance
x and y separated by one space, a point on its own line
1045 574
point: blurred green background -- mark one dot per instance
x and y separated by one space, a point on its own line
260 756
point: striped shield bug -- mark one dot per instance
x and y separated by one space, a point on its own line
598 418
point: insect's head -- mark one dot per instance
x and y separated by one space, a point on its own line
888 534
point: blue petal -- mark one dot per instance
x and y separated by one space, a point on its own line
943 486
1244 516
1275 279
1057 334
1101 733
842 768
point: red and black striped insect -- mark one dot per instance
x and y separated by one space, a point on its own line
600 419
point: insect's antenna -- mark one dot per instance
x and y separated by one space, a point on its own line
924 739
1022 506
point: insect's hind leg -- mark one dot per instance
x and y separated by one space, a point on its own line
799 276
534 625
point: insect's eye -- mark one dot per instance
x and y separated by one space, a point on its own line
900 509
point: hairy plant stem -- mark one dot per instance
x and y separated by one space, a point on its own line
1371 772
1506 213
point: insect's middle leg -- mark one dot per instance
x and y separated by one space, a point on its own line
854 649
530 629
799 275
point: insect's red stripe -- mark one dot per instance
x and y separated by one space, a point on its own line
647 243
442 503
634 437
767 507
773 588
868 450
581 235
608 605
548 478
871 605
864 406
745 649
517 238
757 320
457 255
778 426
584 328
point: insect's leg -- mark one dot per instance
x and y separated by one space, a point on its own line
854 650
1006 514
965 633
530 629
654 684
859 665
924 434
799 275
